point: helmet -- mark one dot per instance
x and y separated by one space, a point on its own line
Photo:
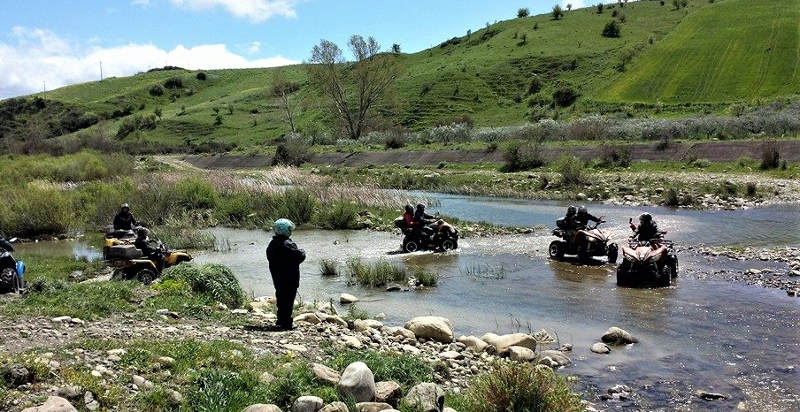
645 218
420 206
582 210
283 227
125 206
409 209
142 231
571 210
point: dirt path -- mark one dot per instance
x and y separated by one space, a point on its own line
711 150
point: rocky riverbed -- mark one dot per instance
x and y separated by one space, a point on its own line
782 271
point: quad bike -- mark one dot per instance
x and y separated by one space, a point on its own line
116 237
440 236
12 271
651 263
130 263
587 243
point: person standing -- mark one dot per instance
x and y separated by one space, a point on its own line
284 259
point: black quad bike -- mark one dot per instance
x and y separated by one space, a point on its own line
587 243
437 236
12 271
651 263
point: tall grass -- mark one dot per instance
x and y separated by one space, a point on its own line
377 274
213 281
328 268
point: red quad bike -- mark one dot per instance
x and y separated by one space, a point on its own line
440 240
651 263
596 243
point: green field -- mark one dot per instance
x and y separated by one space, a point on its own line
717 53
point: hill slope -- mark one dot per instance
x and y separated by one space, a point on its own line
486 75
733 49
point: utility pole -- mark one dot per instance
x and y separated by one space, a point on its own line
44 86
101 70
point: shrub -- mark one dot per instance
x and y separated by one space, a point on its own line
425 278
464 119
173 83
375 275
201 76
519 387
407 370
616 157
341 215
218 121
34 211
520 156
671 197
156 90
535 86
770 155
178 237
196 193
136 123
328 268
292 153
600 8
557 12
611 29
564 96
523 12
395 141
213 281
571 170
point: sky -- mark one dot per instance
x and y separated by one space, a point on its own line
45 44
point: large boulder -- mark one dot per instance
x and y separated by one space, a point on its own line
53 404
388 392
358 382
520 354
617 336
600 348
473 343
325 374
425 397
431 327
503 342
307 404
553 359
335 407
262 407
362 325
373 406
346 298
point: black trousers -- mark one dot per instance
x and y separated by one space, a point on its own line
285 301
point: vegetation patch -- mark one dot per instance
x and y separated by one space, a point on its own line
216 282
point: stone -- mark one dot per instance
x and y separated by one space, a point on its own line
520 354
358 382
388 392
335 319
311 318
346 298
335 407
451 355
473 343
262 407
600 348
295 348
70 392
165 360
352 342
325 374
17 375
373 406
402 332
710 396
425 397
617 336
267 377
449 410
431 327
553 358
53 404
176 398
307 404
142 383
410 349
61 319
503 342
118 352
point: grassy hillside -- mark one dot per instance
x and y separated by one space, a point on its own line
732 49
486 75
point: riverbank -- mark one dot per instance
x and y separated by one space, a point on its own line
783 273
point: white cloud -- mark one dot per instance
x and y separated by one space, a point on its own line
254 10
40 55
254 47
143 3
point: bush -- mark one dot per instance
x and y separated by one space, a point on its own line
557 12
341 215
395 141
213 281
564 96
291 153
425 278
156 90
34 211
139 122
616 157
611 29
328 268
173 83
196 193
519 387
523 12
571 170
600 8
535 86
178 237
520 156
375 275
201 76
770 155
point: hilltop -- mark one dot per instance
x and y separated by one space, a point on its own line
666 61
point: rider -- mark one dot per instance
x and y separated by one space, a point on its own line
124 220
647 229
567 223
143 243
421 220
408 216
583 217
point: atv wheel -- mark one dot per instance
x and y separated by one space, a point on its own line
7 280
675 267
613 253
146 276
449 244
664 276
556 250
411 246
624 273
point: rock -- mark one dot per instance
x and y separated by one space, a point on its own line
165 360
431 327
709 396
262 407
335 407
346 298
553 359
600 348
388 392
373 406
358 382
61 319
176 398
410 349
307 404
89 402
360 325
425 397
520 354
449 410
473 343
617 336
451 355
295 348
352 342
311 318
53 404
16 375
325 374
118 352
503 342
267 377
567 347
142 383
402 332
394 288
335 319
70 392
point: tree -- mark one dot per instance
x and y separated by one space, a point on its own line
469 32
600 8
356 89
569 6
282 88
523 12
611 29
396 48
557 12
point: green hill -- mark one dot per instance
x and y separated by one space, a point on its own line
707 52
730 50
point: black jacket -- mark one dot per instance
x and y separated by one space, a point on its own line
647 231
143 245
124 221
284 259
581 220
420 217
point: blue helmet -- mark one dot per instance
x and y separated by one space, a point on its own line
283 227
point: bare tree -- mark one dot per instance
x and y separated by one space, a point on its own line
354 90
282 88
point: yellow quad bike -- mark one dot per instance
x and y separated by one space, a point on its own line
130 263
116 237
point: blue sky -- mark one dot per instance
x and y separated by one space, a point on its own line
62 42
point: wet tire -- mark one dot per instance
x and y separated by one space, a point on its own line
411 246
556 250
624 273
7 280
664 277
146 276
449 244
613 253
